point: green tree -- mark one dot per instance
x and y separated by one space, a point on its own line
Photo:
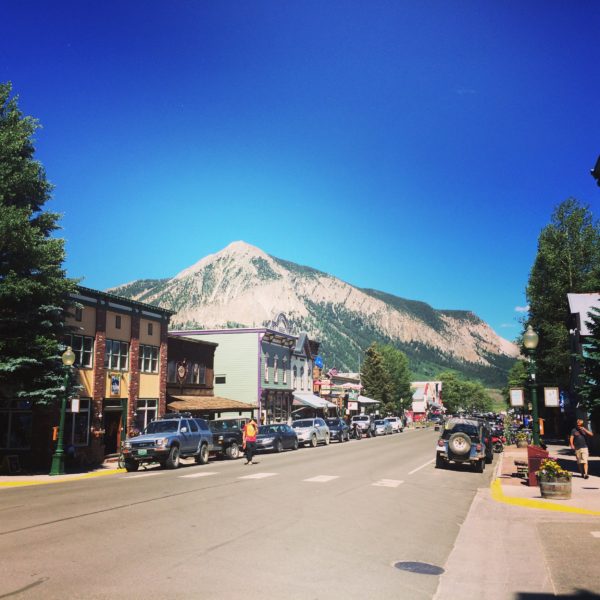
589 387
567 260
517 378
396 365
461 395
33 286
375 377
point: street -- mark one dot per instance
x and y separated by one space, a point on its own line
328 522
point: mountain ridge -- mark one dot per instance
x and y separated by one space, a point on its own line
244 286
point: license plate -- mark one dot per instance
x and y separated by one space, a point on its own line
142 452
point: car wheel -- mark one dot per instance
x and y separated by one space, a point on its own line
278 446
132 465
489 459
440 463
313 441
202 456
459 443
327 440
480 465
173 460
233 451
295 445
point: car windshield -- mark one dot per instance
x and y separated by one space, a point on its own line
379 422
161 427
223 425
302 424
264 429
361 418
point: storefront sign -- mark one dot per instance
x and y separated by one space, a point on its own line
551 397
516 397
352 405
115 385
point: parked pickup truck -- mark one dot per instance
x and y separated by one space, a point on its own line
227 436
168 439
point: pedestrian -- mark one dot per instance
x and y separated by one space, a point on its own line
249 432
578 443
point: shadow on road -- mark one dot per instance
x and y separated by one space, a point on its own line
578 595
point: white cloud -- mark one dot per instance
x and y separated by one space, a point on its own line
522 309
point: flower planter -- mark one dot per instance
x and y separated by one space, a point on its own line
557 489
521 443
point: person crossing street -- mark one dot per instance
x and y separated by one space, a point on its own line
249 432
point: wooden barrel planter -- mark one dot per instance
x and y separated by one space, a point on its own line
559 489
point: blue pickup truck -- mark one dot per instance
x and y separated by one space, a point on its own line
168 439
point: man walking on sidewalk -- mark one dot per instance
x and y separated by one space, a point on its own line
249 432
578 443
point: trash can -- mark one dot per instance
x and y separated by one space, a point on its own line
535 456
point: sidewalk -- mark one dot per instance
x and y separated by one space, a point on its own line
515 545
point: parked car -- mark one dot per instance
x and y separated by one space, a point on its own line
366 424
168 439
338 429
277 437
396 423
227 436
383 427
462 441
311 431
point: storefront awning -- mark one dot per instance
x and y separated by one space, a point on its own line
365 400
216 403
311 400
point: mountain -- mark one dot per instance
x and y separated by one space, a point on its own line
242 286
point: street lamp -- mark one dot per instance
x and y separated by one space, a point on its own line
530 341
58 458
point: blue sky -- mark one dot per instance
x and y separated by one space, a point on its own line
413 147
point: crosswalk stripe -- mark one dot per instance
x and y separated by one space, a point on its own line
202 474
393 483
257 476
322 478
596 534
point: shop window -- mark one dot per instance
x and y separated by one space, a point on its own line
145 412
116 356
77 425
15 424
83 348
148 359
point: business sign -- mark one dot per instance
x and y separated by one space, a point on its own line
552 397
318 362
74 405
517 397
115 385
352 405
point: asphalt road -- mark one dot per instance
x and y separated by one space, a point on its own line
328 522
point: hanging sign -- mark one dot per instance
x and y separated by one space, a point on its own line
516 397
551 397
74 405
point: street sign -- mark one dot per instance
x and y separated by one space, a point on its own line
318 362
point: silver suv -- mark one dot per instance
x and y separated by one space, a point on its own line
366 424
311 431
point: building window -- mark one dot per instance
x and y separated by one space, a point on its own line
148 359
83 348
150 328
79 314
275 369
197 374
15 424
295 377
220 379
116 355
77 425
267 367
146 412
301 378
285 369
118 321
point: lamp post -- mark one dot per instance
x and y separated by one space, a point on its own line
530 341
58 458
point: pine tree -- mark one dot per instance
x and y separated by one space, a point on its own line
590 376
33 286
396 365
374 376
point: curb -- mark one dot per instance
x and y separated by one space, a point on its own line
11 484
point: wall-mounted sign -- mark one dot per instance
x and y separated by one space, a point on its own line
318 362
74 405
552 397
517 397
352 405
115 385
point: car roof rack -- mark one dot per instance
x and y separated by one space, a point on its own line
183 415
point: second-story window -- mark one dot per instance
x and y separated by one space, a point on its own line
83 348
275 369
295 377
267 367
116 355
284 378
78 313
118 322
150 328
301 378
148 359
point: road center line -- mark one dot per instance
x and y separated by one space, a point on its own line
203 474
422 466
257 476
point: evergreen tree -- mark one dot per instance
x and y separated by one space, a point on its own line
396 364
375 378
590 376
33 286
517 378
568 260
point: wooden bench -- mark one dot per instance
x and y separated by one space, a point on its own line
522 468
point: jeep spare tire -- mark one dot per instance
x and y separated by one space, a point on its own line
459 443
